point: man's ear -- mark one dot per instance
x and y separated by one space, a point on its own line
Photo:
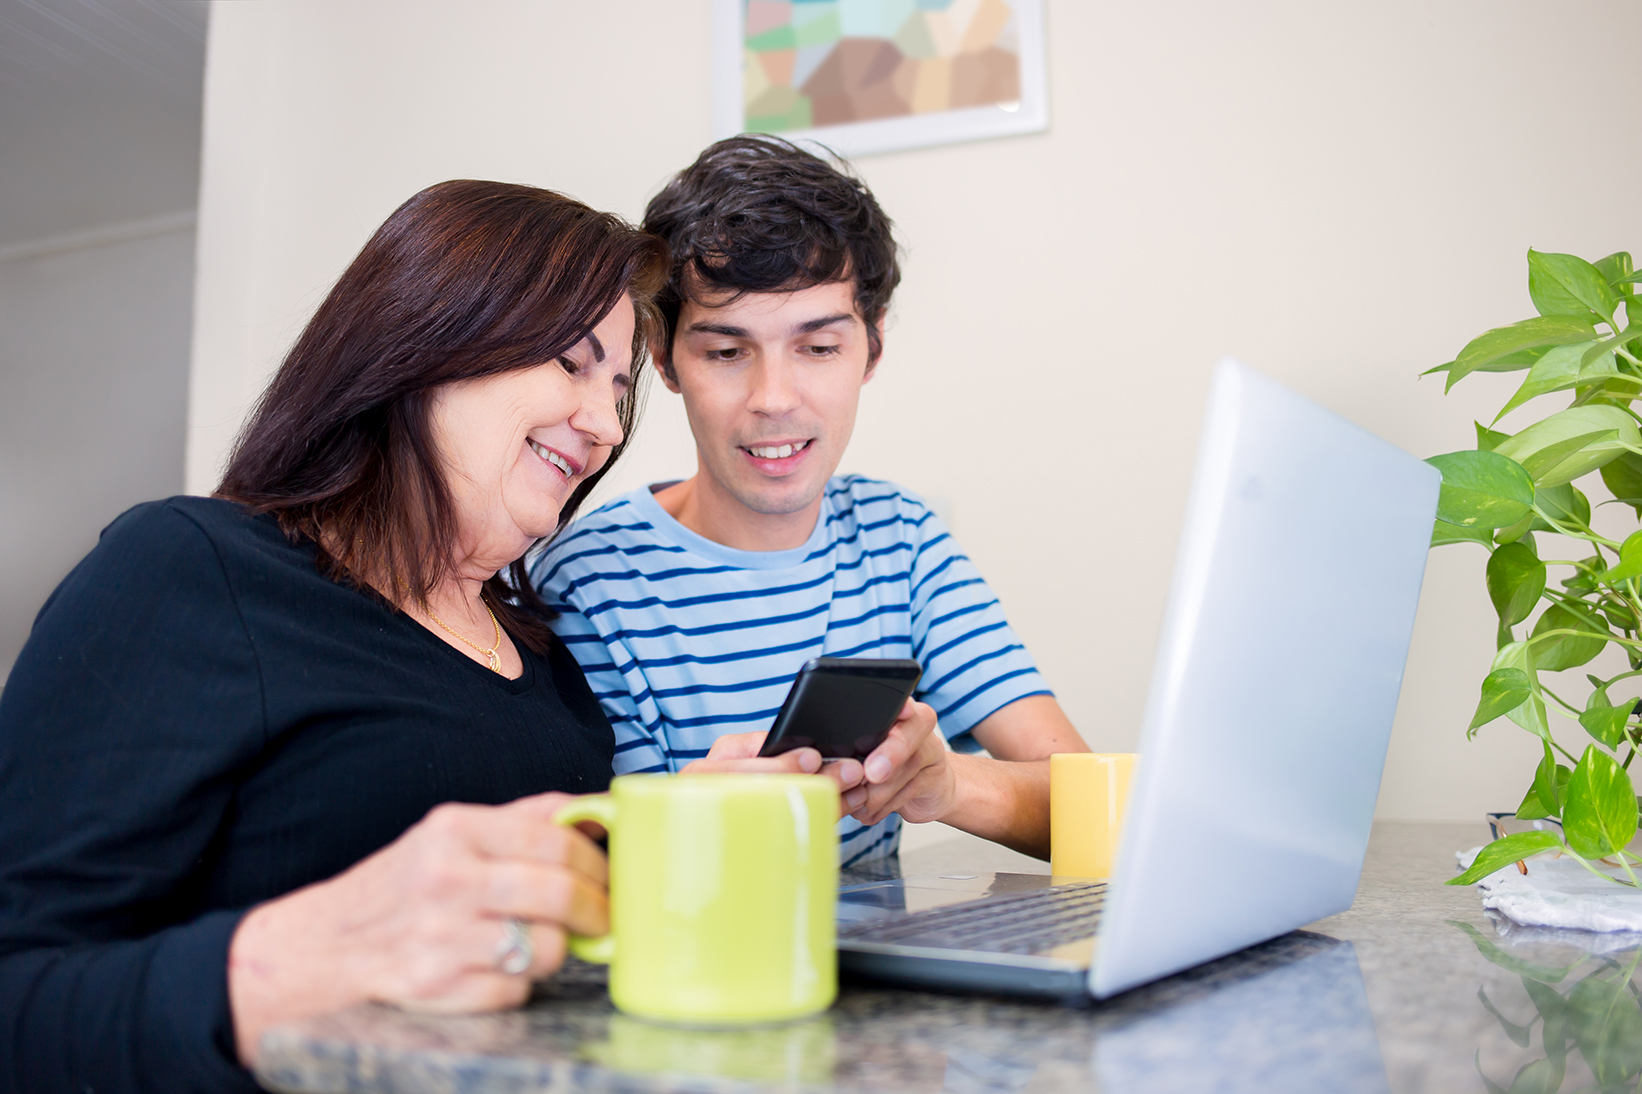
878 327
663 358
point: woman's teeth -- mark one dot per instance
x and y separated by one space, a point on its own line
552 457
778 451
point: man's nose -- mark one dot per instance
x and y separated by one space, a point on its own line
775 389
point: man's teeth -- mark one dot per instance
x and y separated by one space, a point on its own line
553 458
778 451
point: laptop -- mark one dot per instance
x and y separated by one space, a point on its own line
1265 734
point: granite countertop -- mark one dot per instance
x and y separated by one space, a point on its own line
1413 989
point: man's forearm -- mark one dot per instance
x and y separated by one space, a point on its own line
1003 801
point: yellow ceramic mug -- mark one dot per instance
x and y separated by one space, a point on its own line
1088 793
722 894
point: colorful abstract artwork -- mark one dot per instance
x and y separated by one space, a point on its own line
869 75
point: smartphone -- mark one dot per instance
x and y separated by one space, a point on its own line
843 707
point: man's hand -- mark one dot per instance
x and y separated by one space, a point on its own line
907 774
736 752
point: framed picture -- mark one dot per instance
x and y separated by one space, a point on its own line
864 76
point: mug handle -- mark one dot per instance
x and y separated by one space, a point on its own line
601 808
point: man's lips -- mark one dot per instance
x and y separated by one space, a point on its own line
778 450
778 457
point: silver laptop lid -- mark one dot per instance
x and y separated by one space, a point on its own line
1275 683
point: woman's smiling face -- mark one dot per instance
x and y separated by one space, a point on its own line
514 446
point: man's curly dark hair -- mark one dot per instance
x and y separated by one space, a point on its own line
760 214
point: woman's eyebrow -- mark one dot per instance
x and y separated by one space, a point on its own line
598 346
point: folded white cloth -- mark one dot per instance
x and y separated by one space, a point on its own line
1559 892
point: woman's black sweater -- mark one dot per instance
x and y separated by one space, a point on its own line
199 722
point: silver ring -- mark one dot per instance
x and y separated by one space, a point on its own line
514 950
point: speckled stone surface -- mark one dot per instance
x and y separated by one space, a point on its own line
1412 989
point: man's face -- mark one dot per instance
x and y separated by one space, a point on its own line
770 384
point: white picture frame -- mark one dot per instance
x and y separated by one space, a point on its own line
1029 115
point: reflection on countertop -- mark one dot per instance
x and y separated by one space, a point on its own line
1412 989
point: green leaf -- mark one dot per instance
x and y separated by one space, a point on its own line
1511 362
1519 530
1482 489
1492 347
1617 268
1547 1000
1503 852
1564 504
1547 462
1545 974
1561 368
1630 561
1503 691
1607 1025
1531 808
1444 533
1546 787
1581 580
1556 1029
1623 478
1571 443
1620 615
1562 284
1488 1084
1538 1077
1488 438
1606 724
1566 651
1516 579
1518 1034
1600 813
1531 714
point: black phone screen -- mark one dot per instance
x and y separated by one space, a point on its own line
843 707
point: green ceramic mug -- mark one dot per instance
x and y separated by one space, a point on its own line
722 895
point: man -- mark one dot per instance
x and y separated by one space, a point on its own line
691 605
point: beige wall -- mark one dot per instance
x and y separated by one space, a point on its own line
1339 194
93 380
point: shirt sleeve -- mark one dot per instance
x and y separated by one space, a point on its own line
125 718
974 665
555 575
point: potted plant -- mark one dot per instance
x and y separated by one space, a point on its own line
1557 614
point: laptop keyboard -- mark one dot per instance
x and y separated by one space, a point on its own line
1023 923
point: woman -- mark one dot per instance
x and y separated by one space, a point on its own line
253 701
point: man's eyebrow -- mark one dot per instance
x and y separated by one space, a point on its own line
809 326
718 328
813 325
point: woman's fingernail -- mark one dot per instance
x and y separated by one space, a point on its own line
809 760
854 798
877 769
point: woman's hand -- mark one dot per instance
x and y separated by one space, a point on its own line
908 774
739 752
419 923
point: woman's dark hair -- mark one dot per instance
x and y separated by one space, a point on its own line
760 214
466 279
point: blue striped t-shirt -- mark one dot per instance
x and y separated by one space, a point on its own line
684 639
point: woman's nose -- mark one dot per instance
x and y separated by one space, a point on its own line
599 418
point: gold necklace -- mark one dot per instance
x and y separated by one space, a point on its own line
494 658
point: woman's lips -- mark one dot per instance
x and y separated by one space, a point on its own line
555 459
